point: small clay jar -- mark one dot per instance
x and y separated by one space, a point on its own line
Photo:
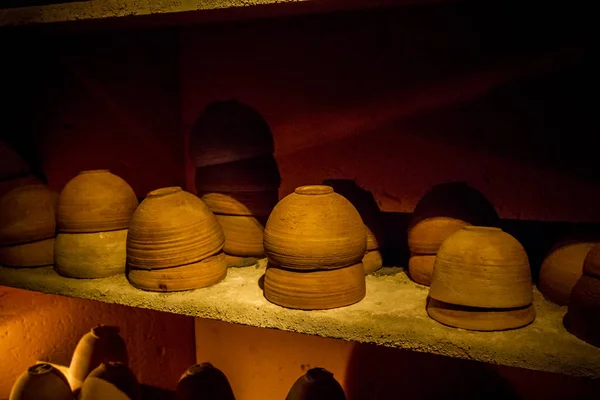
561 269
204 382
256 203
41 382
27 214
243 235
112 380
95 201
90 255
27 255
316 384
172 228
101 345
315 228
315 290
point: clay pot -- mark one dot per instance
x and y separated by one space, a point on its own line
583 315
561 269
229 131
243 235
371 240
90 255
112 381
315 228
27 214
196 275
34 254
445 209
482 267
255 174
591 265
11 164
7 186
315 290
316 384
204 382
41 382
236 262
420 268
170 228
480 319
242 203
101 345
95 201
372 261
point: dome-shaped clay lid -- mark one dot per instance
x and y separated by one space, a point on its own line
316 384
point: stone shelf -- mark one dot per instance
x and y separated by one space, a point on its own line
392 314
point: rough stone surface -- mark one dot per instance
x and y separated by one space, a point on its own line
392 314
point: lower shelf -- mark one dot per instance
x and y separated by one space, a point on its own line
392 314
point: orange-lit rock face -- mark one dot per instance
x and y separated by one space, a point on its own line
35 326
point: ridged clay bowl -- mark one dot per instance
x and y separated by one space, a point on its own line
482 267
259 203
255 174
196 275
41 382
561 269
95 201
90 255
27 214
171 228
420 268
203 381
314 228
243 235
26 255
372 261
315 290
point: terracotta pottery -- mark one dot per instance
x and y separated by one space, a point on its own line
171 228
90 255
228 131
372 261
591 265
101 345
41 382
243 235
315 290
445 209
34 254
11 164
315 228
480 319
112 380
203 382
242 203
7 186
583 315
420 268
371 240
27 214
95 201
316 384
196 275
561 269
482 267
235 261
255 174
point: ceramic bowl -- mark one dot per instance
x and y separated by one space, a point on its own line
482 267
257 204
372 261
33 254
41 382
95 201
561 269
317 384
372 243
252 175
315 290
315 228
27 214
583 314
237 262
111 380
203 381
90 255
203 273
229 131
243 235
171 228
445 209
420 268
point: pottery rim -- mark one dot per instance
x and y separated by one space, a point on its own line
313 190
